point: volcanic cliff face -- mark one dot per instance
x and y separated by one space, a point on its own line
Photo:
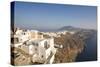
72 45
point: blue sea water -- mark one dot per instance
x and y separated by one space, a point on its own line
90 50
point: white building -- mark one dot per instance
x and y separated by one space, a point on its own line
22 35
41 49
36 35
32 42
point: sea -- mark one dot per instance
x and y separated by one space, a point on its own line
90 50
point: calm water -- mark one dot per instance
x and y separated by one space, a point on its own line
90 51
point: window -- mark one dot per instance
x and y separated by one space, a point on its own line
35 49
39 33
42 56
46 45
36 44
14 40
23 33
33 43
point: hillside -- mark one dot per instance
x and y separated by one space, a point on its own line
69 28
72 45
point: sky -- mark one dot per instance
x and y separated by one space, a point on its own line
32 15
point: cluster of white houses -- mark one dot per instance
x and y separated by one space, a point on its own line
58 34
32 42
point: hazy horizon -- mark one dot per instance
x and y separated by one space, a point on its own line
54 16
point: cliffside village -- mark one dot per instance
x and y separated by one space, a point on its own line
37 47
